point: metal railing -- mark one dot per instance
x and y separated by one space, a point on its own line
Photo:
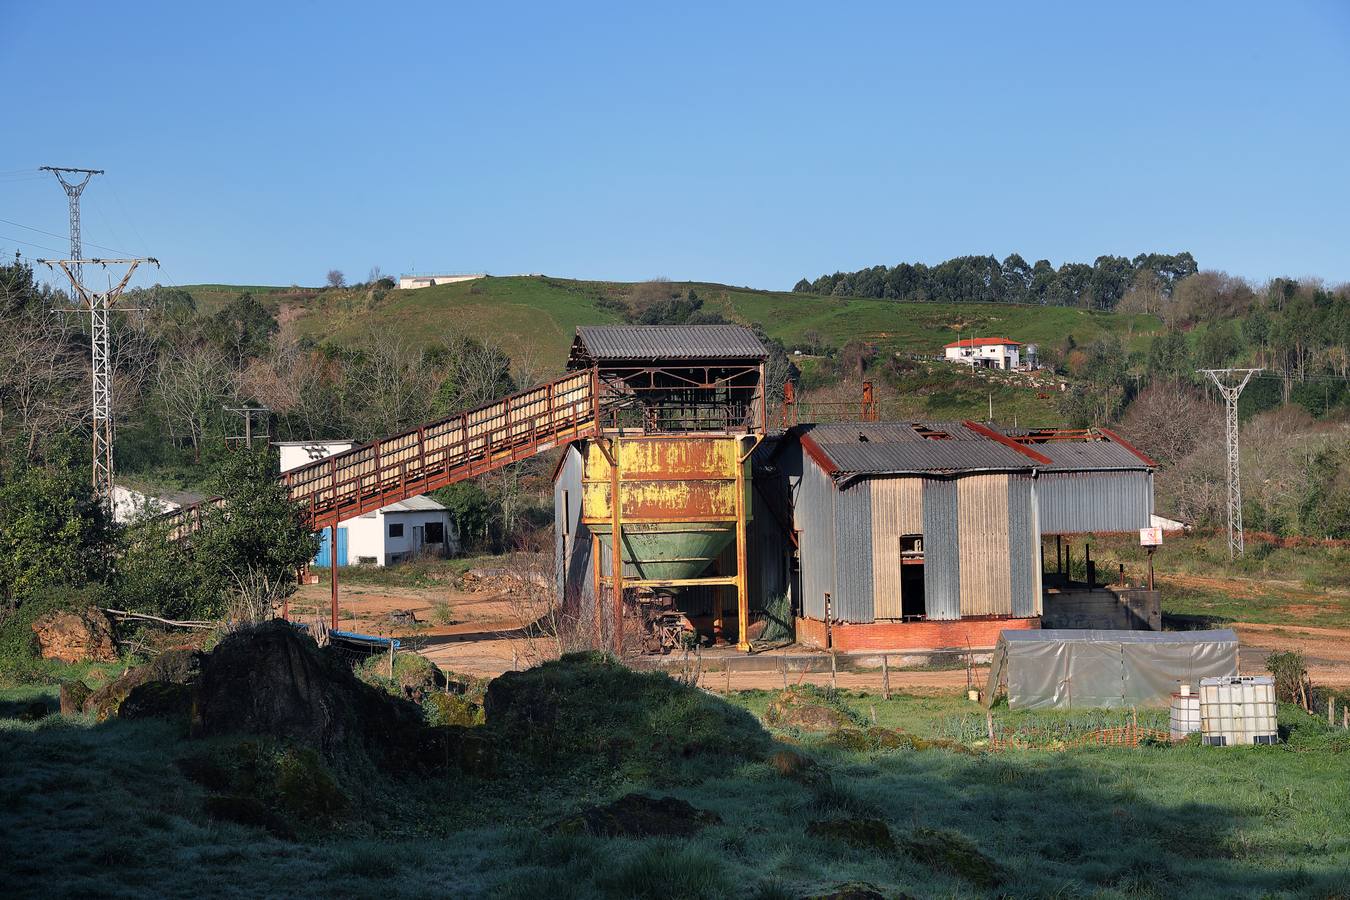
430 456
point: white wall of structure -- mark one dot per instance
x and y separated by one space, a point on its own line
390 534
413 282
999 356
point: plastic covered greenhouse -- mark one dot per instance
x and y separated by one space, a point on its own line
1067 669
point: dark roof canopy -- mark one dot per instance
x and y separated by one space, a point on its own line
898 448
598 343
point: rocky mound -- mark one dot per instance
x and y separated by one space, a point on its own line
589 713
274 681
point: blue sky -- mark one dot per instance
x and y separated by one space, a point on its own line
745 143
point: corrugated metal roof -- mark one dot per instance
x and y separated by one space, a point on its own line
1103 454
879 448
420 503
600 342
1100 450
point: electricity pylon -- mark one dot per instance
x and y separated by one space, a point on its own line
73 190
98 304
1231 392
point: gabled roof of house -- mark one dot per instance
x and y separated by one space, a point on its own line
985 342
597 343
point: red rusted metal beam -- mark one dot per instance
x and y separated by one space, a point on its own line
1007 442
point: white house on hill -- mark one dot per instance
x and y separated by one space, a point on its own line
990 352
399 531
413 282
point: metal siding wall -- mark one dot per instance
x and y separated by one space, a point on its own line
941 550
897 509
853 553
1081 502
982 513
1024 545
572 564
813 513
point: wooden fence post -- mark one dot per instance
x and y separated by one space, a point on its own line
885 677
833 683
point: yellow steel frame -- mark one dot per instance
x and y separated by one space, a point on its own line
616 582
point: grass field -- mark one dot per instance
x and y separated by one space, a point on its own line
90 809
1272 584
539 315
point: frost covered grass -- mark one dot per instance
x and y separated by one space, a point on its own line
102 809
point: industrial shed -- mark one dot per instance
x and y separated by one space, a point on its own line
1066 669
923 535
1094 482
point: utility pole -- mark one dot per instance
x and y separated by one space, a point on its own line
99 304
1231 392
73 190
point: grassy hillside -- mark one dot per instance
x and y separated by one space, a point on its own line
211 297
539 315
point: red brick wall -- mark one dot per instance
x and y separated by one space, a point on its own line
979 633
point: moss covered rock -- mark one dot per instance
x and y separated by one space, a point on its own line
73 696
452 709
181 667
639 816
158 700
589 712
869 834
954 853
808 708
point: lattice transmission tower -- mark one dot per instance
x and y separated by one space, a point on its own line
1231 392
73 189
98 304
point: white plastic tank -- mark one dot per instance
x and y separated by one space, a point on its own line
1184 716
1238 709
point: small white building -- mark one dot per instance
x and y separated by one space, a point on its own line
391 534
990 352
413 282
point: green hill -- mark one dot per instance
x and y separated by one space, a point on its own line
538 315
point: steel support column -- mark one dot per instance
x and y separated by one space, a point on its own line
742 581
332 571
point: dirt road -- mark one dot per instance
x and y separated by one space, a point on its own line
484 636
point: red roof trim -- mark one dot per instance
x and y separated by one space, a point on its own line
817 453
985 342
1007 442
1128 446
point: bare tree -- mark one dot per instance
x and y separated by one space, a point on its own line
1168 420
393 385
336 279
43 380
191 385
374 275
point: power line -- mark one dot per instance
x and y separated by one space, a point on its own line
55 235
29 244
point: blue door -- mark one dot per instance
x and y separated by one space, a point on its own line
322 560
